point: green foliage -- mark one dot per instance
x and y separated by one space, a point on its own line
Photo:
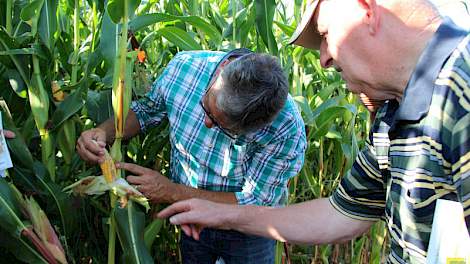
43 44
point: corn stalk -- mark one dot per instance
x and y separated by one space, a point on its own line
76 41
38 97
8 17
118 98
126 220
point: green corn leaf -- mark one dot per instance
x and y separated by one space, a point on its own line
240 19
144 21
179 38
20 249
16 83
335 101
31 10
130 222
10 210
70 106
47 25
306 110
19 152
99 105
13 61
66 140
151 232
39 101
108 40
116 9
246 26
23 51
325 120
264 23
288 30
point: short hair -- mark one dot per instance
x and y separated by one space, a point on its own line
254 90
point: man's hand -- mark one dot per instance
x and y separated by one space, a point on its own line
194 215
87 148
156 187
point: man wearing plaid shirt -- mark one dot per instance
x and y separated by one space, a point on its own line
236 137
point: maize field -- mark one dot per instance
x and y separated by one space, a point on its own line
68 65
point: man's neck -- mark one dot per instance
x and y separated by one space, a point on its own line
415 28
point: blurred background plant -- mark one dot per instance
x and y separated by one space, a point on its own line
58 62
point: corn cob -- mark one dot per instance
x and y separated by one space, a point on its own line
108 168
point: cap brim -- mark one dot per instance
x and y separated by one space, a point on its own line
305 34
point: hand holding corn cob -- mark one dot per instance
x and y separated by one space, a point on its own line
156 187
97 185
91 145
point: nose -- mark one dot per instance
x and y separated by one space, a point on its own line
326 60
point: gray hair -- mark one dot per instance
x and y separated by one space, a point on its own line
254 90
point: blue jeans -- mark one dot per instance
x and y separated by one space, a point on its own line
234 247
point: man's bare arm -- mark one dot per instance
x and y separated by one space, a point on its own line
312 222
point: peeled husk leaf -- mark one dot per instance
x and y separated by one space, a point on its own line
97 185
42 232
43 228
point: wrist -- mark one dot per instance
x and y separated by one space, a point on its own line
235 217
176 192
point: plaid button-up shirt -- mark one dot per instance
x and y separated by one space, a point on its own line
256 166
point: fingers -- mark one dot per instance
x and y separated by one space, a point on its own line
87 155
187 230
133 168
180 214
175 208
136 180
90 145
192 231
8 133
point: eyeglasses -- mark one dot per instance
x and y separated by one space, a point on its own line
214 121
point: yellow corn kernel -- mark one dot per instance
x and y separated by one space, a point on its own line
108 168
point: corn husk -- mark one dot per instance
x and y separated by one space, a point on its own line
97 185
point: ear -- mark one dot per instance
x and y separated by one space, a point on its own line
372 17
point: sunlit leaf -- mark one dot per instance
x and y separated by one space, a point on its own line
116 9
130 222
143 21
264 23
179 38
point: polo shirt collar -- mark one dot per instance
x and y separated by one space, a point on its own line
418 93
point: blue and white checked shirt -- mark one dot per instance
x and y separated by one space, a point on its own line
256 166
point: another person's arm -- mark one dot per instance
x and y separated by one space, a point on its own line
312 222
361 196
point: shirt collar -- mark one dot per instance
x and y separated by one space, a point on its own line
233 53
418 93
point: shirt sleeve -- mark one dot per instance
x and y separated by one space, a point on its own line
270 170
361 192
461 164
